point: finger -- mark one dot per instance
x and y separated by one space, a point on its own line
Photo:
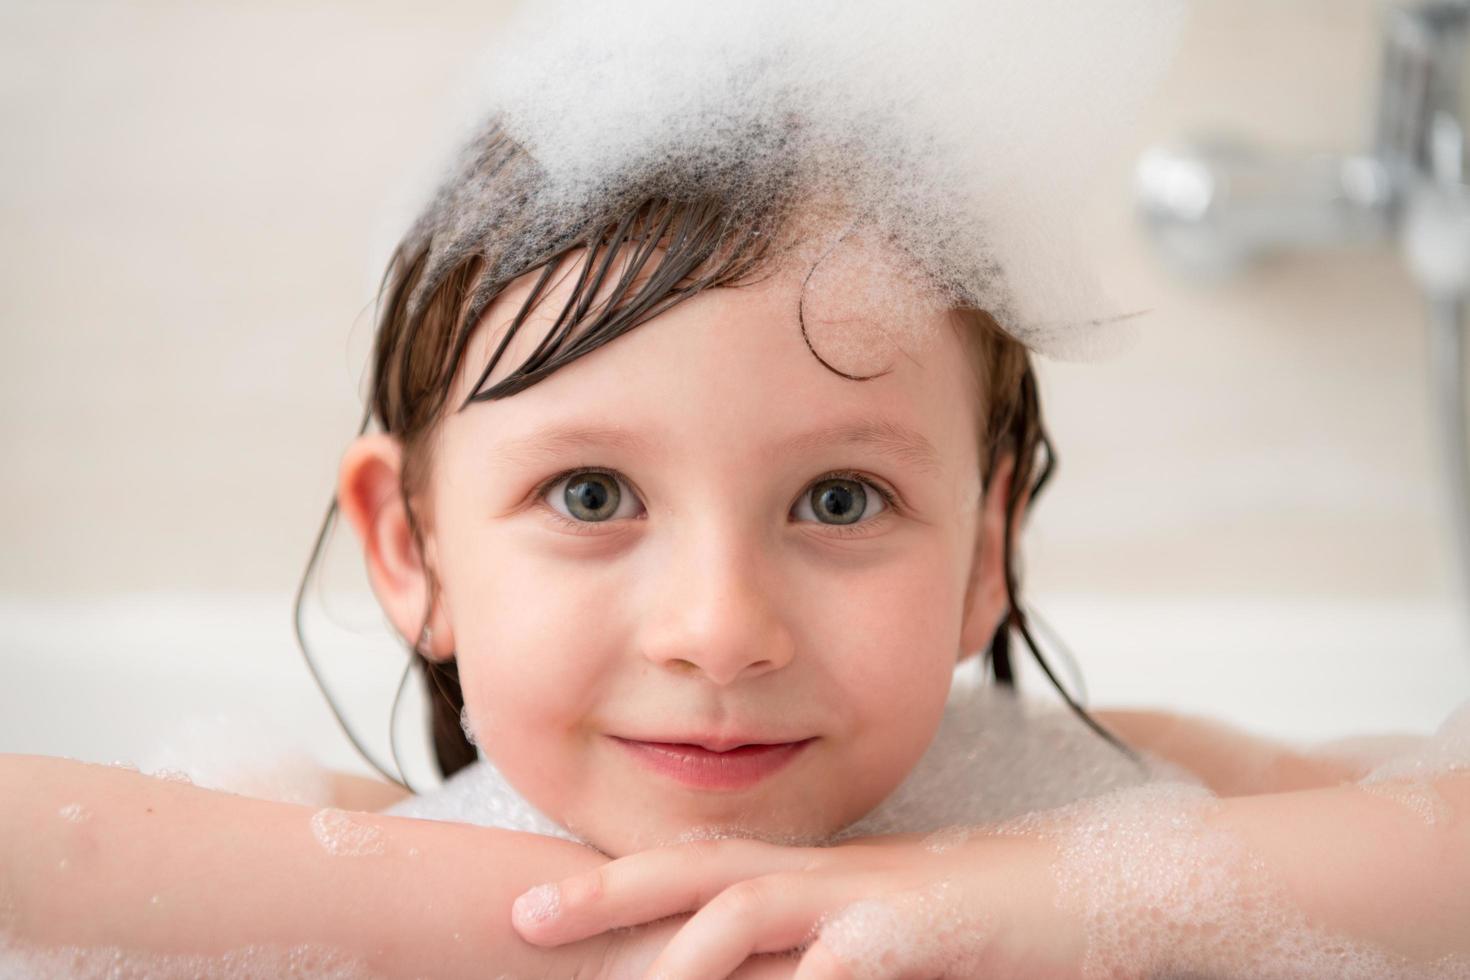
766 968
758 915
644 887
820 963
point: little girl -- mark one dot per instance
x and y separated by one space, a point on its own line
701 468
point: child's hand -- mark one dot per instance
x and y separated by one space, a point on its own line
875 907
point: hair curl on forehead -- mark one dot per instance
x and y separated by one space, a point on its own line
641 253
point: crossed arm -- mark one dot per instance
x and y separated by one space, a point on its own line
1293 861
94 857
170 868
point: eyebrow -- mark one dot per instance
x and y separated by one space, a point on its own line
884 436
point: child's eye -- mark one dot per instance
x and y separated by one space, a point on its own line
842 500
590 497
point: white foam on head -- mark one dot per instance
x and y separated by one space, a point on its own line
345 834
862 305
965 131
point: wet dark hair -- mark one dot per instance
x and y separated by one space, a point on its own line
443 276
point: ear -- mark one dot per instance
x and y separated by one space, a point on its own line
985 594
369 497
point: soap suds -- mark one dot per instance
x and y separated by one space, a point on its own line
173 776
1161 892
1157 889
1421 799
20 961
966 134
947 838
467 726
1403 767
539 903
74 813
1446 751
922 929
346 834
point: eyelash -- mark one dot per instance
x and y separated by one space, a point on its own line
890 499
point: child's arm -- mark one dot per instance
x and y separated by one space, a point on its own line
351 792
1228 761
1245 886
1387 864
94 856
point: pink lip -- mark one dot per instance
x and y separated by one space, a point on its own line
701 768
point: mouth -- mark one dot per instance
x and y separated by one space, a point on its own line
699 767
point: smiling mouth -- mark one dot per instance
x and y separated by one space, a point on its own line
700 768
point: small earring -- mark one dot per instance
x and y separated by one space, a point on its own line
424 640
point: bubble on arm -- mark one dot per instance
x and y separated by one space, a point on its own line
1406 774
305 961
345 834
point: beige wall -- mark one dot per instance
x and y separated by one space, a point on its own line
189 195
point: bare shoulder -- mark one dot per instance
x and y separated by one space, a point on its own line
1229 760
351 792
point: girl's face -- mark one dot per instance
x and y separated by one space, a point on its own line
642 547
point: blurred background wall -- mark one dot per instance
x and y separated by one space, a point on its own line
191 197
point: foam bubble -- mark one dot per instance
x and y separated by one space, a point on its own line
967 135
346 834
1160 891
21 961
1447 750
173 776
74 813
921 929
947 838
997 755
467 726
539 903
1422 799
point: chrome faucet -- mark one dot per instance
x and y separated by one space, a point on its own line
1211 205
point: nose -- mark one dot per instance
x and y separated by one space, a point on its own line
714 610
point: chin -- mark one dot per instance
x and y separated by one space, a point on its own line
621 841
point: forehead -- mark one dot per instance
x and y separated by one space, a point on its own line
754 351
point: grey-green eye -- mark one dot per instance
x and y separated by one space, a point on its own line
839 500
587 496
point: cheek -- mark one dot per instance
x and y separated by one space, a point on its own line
890 635
529 661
